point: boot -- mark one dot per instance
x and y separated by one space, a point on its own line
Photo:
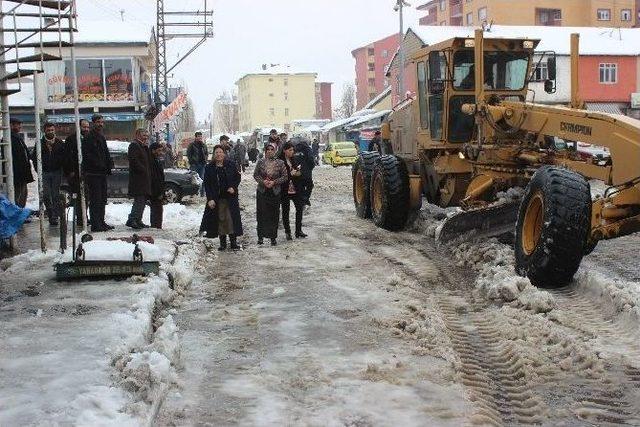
260 240
273 242
288 233
300 234
223 243
234 242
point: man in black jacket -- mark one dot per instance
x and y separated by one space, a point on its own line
21 163
139 178
197 154
97 164
53 157
70 166
157 184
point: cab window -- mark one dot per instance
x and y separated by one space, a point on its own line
422 95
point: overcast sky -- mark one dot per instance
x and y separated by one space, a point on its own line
313 35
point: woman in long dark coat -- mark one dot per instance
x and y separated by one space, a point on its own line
222 212
270 173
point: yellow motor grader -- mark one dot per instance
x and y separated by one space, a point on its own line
471 134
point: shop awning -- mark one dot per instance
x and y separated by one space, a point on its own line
108 117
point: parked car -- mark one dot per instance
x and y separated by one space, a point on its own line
340 153
177 182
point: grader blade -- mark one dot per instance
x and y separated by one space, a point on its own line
484 222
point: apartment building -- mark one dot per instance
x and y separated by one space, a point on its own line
371 62
275 96
572 13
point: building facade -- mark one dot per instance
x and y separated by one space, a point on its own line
114 65
572 13
371 62
324 109
274 97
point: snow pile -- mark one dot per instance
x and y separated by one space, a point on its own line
115 250
432 218
497 279
174 216
511 195
622 296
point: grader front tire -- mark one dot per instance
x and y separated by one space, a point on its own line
553 224
361 174
390 193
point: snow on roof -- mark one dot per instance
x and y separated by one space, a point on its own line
369 117
593 40
277 69
108 32
338 123
378 98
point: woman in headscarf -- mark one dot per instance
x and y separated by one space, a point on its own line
222 212
270 173
292 191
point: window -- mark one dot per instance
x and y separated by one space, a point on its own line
470 18
541 73
604 14
482 14
422 95
270 79
372 96
119 79
371 66
443 23
625 15
286 96
608 73
371 51
272 111
386 82
286 82
372 82
385 53
502 70
443 5
550 17
286 111
271 95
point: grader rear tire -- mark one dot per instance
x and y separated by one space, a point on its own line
390 193
554 221
361 174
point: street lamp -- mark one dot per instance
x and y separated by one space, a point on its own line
398 8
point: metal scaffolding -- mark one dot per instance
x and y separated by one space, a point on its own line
28 19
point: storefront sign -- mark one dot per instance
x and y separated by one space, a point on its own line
171 111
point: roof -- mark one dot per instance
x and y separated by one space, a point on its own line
278 70
375 101
604 107
369 117
593 41
338 123
109 32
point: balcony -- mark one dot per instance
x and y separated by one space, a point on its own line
431 18
456 8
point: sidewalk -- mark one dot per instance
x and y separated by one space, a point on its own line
28 238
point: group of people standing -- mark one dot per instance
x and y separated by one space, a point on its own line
283 176
60 163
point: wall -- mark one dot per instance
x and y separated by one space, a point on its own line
255 100
324 108
592 90
384 50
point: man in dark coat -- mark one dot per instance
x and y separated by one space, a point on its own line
214 188
197 154
70 166
139 177
304 157
376 143
315 148
97 164
157 183
239 155
53 157
21 163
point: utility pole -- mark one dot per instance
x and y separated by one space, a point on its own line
400 4
194 24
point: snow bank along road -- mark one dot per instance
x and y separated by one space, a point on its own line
352 326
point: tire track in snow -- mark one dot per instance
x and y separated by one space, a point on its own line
490 369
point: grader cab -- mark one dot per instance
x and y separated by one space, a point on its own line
471 134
